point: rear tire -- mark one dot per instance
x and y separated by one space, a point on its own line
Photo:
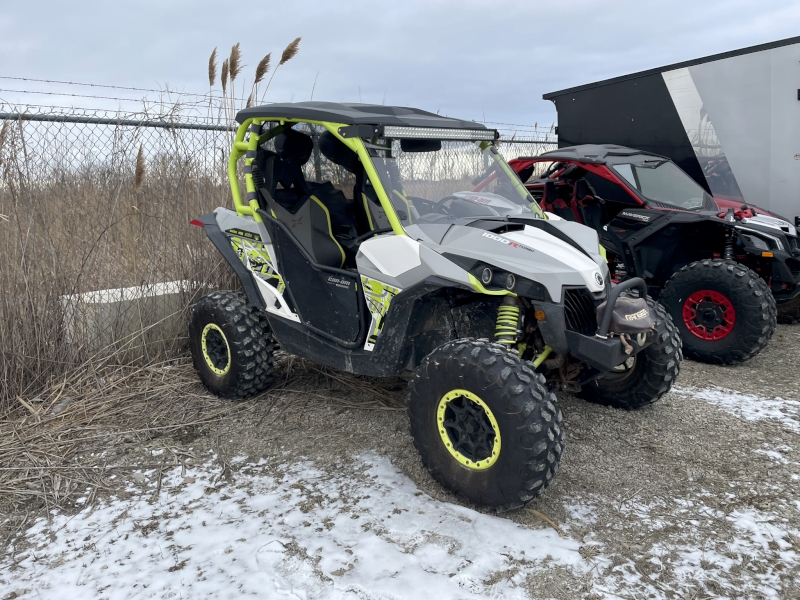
645 377
476 396
724 311
231 345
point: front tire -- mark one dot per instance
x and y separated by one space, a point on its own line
231 345
645 377
484 424
724 311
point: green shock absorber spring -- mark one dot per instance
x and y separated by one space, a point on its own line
507 323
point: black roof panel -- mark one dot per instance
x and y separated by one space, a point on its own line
356 114
681 65
593 153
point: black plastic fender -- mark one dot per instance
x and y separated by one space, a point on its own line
223 244
553 327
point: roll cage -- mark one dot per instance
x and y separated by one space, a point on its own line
348 123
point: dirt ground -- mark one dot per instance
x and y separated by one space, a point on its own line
694 497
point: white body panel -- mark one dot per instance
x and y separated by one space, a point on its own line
392 255
567 255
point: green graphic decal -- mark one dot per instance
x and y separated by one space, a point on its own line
255 254
379 297
244 234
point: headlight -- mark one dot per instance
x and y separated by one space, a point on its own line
496 279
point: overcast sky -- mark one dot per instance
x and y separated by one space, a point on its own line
487 60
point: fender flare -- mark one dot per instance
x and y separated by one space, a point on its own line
221 241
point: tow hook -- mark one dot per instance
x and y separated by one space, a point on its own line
625 339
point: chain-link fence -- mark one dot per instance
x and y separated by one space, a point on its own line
98 259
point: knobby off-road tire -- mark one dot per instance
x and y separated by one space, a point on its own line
526 415
231 345
645 377
731 288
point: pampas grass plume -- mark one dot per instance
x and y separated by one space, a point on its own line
235 61
262 68
138 177
212 68
290 52
224 75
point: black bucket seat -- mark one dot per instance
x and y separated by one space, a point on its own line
295 202
368 210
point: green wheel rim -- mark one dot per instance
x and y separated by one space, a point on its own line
216 351
468 429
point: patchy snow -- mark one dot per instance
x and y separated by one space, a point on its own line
744 556
747 406
774 455
283 532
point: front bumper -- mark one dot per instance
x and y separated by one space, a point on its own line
604 354
598 350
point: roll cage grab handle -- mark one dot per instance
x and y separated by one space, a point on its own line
247 149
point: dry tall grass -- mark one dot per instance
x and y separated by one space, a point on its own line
87 207
92 207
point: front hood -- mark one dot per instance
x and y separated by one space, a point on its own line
534 254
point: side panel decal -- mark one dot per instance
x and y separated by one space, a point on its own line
253 253
378 296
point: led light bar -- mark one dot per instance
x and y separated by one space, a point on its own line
438 133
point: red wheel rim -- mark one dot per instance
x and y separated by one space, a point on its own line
709 315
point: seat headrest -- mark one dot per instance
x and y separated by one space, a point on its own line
550 194
294 147
337 152
583 188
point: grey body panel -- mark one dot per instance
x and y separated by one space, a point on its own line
530 253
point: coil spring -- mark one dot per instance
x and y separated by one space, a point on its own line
506 329
728 246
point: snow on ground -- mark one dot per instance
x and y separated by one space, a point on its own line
744 557
747 406
283 533
363 530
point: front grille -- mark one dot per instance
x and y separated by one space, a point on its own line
792 243
579 312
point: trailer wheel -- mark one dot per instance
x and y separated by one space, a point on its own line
724 311
231 345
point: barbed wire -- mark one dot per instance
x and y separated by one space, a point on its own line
181 113
535 126
204 95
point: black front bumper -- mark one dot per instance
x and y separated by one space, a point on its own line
604 354
600 351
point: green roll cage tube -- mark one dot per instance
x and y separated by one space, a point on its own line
241 148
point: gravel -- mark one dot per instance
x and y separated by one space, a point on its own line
693 497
